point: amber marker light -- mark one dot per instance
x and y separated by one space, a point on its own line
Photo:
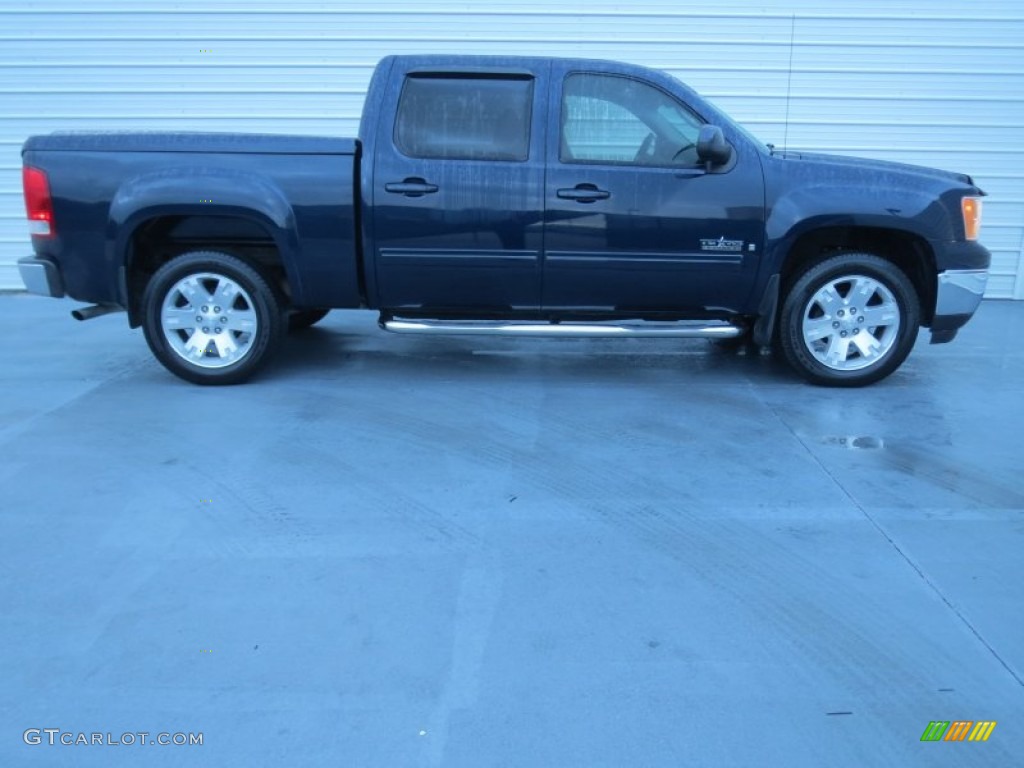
971 207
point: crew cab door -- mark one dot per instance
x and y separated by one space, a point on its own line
634 222
458 190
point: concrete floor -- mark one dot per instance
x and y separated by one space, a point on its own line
394 552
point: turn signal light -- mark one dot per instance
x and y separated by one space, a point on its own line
38 202
971 207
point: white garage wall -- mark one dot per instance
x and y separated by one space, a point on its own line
933 82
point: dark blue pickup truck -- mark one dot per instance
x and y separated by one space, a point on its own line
493 195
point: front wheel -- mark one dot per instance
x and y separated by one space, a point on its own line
849 320
210 318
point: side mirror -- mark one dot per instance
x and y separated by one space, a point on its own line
712 148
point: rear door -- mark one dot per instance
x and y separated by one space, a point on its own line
635 224
458 191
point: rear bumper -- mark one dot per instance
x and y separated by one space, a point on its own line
41 276
957 296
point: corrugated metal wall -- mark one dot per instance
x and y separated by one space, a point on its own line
921 81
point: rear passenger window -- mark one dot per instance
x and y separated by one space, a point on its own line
465 117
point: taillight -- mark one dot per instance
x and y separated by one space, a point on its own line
38 203
971 208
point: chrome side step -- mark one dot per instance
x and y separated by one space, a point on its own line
676 330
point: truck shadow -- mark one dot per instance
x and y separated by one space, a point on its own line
336 353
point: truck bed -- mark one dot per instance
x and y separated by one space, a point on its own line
295 195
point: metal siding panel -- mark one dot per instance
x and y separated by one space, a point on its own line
920 81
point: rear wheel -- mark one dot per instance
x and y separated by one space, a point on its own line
849 320
211 318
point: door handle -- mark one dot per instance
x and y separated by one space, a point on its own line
584 193
411 187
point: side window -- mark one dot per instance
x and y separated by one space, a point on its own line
618 120
465 117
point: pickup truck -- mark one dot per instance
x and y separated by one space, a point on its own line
506 195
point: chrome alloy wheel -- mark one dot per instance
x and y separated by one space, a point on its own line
851 323
209 320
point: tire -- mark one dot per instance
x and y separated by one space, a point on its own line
210 318
827 342
300 319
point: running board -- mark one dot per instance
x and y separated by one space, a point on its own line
676 330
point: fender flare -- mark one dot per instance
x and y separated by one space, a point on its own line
824 206
217 192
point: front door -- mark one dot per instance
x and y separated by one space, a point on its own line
458 194
634 223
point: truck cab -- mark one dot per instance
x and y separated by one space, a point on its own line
554 188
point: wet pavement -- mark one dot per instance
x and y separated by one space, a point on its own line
392 551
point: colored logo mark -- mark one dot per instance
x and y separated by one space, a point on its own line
958 730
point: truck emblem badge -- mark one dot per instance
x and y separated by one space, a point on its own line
721 245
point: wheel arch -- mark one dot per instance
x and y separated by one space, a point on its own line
909 251
235 212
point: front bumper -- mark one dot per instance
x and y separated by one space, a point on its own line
41 276
957 296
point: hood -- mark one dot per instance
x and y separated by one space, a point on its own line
876 166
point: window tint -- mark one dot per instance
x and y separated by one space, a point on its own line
611 119
465 117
